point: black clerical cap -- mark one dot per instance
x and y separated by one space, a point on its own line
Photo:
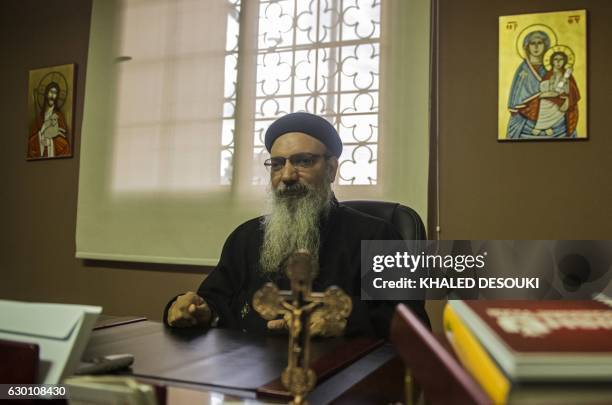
308 124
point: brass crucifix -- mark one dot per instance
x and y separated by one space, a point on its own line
298 305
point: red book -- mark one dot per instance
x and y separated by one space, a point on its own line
543 340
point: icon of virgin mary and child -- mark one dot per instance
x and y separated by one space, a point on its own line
544 96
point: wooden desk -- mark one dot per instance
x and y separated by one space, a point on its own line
108 321
226 362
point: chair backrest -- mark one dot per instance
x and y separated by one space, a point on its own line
406 220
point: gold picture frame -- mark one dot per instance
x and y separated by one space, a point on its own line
51 112
542 76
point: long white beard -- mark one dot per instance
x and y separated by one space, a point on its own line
294 223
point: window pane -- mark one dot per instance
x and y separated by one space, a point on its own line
176 102
322 57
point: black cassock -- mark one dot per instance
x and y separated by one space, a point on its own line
229 288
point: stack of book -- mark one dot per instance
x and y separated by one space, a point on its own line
535 351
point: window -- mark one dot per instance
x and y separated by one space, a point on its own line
176 94
179 94
178 87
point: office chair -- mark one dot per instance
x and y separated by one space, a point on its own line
406 220
410 226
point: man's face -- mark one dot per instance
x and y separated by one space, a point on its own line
301 195
536 46
51 96
287 145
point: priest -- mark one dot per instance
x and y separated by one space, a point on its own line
305 214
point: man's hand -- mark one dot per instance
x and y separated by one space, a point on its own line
280 324
189 309
319 325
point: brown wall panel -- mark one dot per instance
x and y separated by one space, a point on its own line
518 190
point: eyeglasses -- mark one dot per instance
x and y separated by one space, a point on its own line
299 161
